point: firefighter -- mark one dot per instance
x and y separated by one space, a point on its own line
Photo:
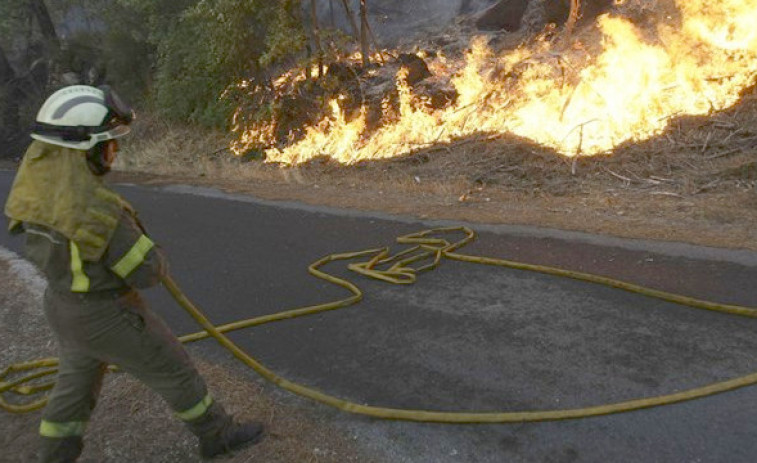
95 254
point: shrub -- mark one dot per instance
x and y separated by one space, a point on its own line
216 44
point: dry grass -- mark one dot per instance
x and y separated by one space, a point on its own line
159 147
132 424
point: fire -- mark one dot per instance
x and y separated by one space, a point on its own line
333 136
579 102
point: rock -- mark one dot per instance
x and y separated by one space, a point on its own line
557 11
505 14
593 8
511 15
417 68
70 78
342 72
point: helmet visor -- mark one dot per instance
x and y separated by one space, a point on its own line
113 132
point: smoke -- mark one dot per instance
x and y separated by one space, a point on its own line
395 20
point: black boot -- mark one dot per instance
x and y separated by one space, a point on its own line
60 450
219 434
234 436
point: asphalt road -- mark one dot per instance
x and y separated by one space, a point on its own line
468 337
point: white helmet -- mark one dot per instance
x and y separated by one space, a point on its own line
81 116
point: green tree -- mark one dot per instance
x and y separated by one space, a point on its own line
187 57
215 45
27 34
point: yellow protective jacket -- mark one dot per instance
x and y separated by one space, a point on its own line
83 236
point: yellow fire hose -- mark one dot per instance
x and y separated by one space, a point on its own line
396 269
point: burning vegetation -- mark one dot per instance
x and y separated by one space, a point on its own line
620 79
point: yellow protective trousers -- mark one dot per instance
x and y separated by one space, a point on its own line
100 329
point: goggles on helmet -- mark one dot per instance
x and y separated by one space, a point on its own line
121 111
119 115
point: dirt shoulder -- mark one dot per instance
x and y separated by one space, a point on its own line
719 219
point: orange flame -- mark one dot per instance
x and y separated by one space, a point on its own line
571 101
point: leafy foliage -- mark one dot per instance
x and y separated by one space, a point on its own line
217 44
14 19
286 36
189 59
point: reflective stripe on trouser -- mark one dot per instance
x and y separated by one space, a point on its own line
74 396
59 430
197 411
96 331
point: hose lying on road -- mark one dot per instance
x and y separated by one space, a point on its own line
428 249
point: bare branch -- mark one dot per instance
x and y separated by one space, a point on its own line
364 47
351 17
317 35
575 7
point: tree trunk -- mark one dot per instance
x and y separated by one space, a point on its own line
365 49
7 74
317 36
46 26
9 108
351 17
575 9
373 38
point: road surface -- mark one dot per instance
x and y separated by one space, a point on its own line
468 337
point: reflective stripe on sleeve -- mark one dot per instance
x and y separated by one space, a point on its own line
134 258
72 428
196 411
80 281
